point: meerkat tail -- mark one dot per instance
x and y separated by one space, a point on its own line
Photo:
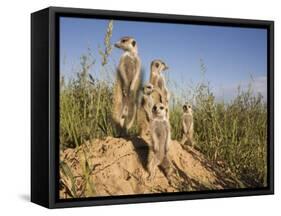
131 118
183 141
117 103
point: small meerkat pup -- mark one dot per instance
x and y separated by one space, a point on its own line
187 125
127 84
145 111
158 81
160 137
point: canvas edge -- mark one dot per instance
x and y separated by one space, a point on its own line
52 202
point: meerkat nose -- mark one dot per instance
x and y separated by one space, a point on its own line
117 45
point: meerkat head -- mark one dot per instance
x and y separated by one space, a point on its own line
158 66
147 89
187 108
159 110
127 44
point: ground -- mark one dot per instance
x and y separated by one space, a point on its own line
118 166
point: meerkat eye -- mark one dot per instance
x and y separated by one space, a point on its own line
154 108
123 41
161 107
157 64
189 106
134 43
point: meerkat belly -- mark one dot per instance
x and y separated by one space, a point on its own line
130 67
156 97
161 139
160 132
141 116
153 80
160 83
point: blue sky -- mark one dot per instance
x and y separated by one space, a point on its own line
231 55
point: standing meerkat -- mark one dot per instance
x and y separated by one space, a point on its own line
187 125
127 84
160 137
145 111
161 93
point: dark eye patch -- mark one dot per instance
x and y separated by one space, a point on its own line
161 107
123 41
189 106
134 43
154 108
157 64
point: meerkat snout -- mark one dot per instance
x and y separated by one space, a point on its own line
165 66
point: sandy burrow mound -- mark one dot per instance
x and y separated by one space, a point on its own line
117 166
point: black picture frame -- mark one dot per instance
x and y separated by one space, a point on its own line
45 110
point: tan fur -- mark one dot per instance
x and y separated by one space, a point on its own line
161 93
160 138
187 125
127 83
145 111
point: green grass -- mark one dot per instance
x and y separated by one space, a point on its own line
233 132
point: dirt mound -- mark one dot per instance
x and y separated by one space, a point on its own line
117 166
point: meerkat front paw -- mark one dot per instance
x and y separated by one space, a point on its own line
150 117
150 176
124 93
155 148
166 150
131 89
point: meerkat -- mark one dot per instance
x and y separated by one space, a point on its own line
160 137
161 93
127 84
145 111
187 125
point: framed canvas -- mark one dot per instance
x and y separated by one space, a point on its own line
139 107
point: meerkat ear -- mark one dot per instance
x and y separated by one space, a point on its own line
134 43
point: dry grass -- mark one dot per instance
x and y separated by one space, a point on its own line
232 133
